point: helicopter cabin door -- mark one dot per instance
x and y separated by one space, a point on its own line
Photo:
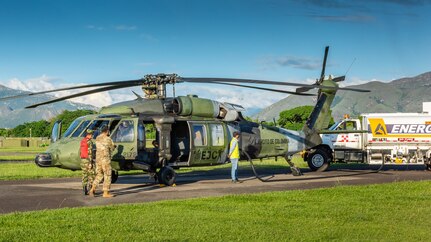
125 137
208 142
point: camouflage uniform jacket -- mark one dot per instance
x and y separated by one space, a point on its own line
104 147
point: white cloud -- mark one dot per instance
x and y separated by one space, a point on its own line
148 37
122 27
95 27
45 83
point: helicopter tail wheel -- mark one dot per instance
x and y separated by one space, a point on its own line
318 160
114 176
167 176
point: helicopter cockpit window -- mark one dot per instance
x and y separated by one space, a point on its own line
81 128
199 135
72 127
217 134
124 132
96 125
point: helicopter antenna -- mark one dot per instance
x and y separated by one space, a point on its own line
348 69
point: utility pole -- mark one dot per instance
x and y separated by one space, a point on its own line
30 132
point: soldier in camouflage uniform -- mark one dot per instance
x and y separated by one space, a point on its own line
104 148
87 165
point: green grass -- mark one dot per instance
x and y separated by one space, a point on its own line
389 212
20 153
16 157
24 149
29 170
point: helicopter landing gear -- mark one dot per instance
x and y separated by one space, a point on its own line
295 170
167 176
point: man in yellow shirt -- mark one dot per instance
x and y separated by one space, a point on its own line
234 156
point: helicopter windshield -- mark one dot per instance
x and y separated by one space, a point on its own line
81 128
96 124
72 127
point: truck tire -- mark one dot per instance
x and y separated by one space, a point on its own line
167 176
318 160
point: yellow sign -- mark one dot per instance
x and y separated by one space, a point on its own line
378 127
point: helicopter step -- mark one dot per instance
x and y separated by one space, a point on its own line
141 166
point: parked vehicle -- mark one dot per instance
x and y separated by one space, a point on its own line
392 138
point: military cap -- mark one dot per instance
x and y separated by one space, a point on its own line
104 128
90 131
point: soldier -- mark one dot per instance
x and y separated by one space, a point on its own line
87 165
104 148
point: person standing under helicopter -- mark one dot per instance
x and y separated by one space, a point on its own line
87 166
104 148
234 156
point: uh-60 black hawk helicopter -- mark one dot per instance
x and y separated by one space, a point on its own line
191 131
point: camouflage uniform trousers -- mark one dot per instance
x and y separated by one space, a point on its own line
88 172
103 171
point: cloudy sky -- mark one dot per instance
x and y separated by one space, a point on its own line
47 44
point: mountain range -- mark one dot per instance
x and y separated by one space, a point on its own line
12 112
401 95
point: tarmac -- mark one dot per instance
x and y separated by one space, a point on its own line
30 195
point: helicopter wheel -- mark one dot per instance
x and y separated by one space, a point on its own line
318 160
167 176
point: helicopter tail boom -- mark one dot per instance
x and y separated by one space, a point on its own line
320 116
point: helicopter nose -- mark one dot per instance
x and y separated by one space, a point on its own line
43 159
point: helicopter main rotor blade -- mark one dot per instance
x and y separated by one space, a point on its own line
266 89
102 89
120 84
339 79
233 80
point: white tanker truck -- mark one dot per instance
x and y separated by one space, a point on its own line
392 138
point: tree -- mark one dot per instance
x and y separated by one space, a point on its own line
294 119
34 129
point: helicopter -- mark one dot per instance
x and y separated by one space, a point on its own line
190 130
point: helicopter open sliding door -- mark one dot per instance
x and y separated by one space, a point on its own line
125 136
208 143
180 144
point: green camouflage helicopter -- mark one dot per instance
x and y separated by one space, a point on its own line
191 131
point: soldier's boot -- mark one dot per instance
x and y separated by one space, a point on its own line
107 194
85 189
92 191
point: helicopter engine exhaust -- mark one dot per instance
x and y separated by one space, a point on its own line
191 105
